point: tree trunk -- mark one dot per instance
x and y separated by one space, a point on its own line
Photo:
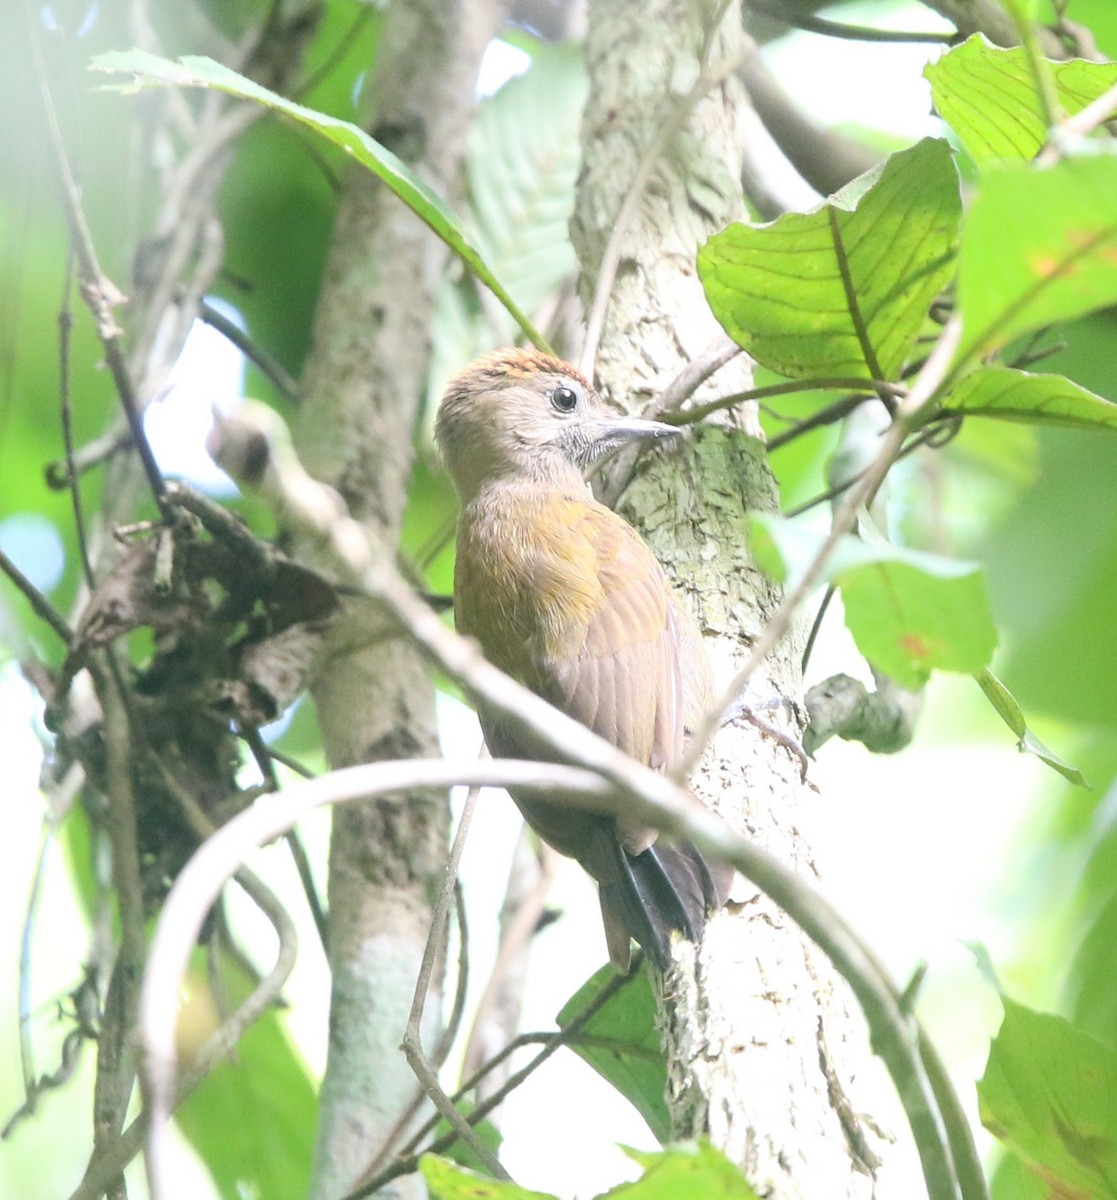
759 1034
365 380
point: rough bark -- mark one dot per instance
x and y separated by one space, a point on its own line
364 382
759 1034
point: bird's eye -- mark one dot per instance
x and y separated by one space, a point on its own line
564 399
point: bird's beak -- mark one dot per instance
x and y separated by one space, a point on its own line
613 431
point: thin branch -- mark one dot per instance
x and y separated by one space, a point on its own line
700 412
519 920
829 415
61 800
551 1043
1051 110
1029 357
310 889
816 626
461 984
809 23
116 1060
412 1037
336 55
260 752
1062 136
967 1161
26 941
118 1154
444 1046
936 433
267 362
721 351
40 605
678 112
292 764
99 294
61 472
223 525
65 330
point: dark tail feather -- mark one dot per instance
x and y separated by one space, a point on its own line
652 894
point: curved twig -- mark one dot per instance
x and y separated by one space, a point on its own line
809 23
117 1155
412 1036
550 1041
217 859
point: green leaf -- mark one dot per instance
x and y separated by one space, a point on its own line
269 1154
148 71
909 612
908 623
1027 742
1013 1179
522 166
1011 395
841 292
987 95
1050 1093
785 548
621 1042
689 1170
448 1181
1038 246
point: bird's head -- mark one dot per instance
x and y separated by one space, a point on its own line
527 414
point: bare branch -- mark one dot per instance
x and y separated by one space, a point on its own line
40 605
100 295
839 29
825 159
496 1017
268 363
551 1042
721 351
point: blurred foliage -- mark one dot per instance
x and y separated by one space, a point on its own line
621 1042
1048 1093
686 1170
264 1084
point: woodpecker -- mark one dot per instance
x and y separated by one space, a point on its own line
566 597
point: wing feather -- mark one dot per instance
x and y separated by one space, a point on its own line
587 620
614 662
